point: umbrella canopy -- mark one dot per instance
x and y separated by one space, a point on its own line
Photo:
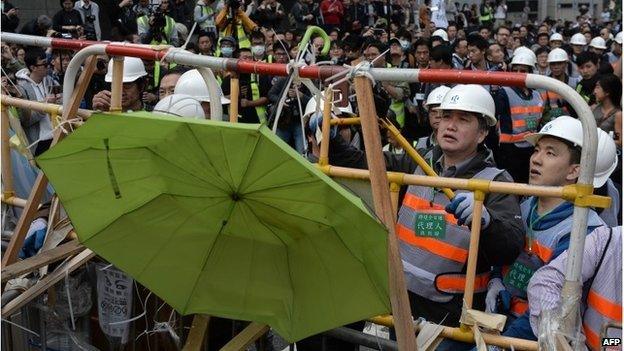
223 219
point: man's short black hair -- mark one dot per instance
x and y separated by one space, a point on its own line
476 40
379 45
502 26
587 56
33 55
541 50
543 35
481 27
421 42
442 53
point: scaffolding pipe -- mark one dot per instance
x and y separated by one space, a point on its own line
360 338
40 106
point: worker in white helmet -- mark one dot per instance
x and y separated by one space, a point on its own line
555 40
429 221
425 144
578 42
519 111
180 105
133 86
547 220
555 105
192 83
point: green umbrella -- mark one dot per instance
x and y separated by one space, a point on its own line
223 219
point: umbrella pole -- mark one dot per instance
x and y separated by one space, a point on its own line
383 208
234 92
117 84
7 173
34 199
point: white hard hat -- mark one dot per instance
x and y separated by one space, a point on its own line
192 83
440 33
606 158
578 39
563 127
556 37
470 98
524 56
558 55
180 105
133 69
618 38
437 95
598 43
311 108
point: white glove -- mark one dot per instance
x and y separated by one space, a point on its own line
495 286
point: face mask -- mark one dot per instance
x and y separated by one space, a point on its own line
405 45
257 50
227 51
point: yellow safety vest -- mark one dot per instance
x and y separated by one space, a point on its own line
255 95
169 27
487 16
207 10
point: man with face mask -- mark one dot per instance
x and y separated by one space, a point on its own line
258 47
554 105
227 47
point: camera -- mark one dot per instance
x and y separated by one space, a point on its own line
158 18
233 4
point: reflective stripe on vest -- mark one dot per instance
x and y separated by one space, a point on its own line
456 283
525 117
517 275
604 299
431 242
579 89
255 95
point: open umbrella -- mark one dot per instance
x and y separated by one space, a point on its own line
223 219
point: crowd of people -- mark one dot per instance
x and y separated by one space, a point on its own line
511 134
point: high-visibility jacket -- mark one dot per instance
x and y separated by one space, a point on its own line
486 15
168 30
255 95
539 248
241 37
525 118
604 299
398 107
210 22
434 249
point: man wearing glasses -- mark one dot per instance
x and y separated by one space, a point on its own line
36 85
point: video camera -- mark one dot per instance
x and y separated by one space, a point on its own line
158 18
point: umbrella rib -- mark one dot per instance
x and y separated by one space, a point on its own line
280 186
290 214
207 157
271 170
223 224
180 168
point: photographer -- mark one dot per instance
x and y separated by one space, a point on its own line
289 124
158 28
90 14
68 20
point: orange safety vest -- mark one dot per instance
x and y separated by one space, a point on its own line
604 300
434 249
525 118
542 245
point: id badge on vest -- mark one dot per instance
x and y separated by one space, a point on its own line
518 276
531 122
430 224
